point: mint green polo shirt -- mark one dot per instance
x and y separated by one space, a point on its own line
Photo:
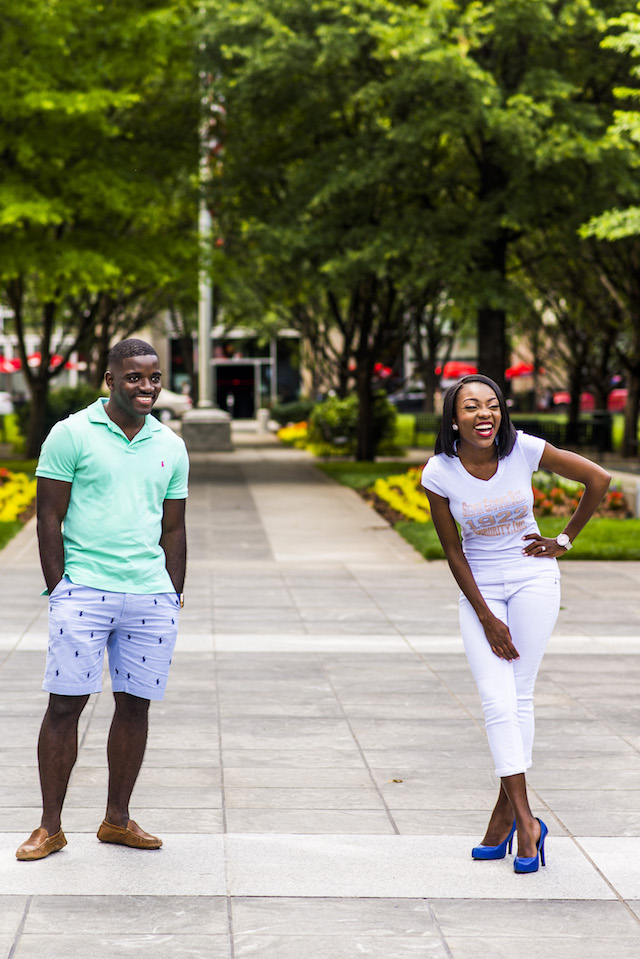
112 529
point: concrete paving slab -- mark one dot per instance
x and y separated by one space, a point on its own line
385 918
617 857
105 946
541 947
319 659
181 867
12 910
400 866
319 947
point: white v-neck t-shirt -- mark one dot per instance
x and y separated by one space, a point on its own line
493 514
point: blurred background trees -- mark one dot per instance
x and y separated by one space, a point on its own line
393 171
98 199
377 172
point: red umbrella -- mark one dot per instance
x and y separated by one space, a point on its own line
36 358
9 366
455 369
521 369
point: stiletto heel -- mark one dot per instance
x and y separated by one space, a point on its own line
495 852
531 863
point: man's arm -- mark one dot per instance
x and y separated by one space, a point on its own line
52 503
174 541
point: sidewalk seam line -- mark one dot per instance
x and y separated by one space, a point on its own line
359 747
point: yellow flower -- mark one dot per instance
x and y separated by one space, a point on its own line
404 494
17 492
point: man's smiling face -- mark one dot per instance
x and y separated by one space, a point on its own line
134 384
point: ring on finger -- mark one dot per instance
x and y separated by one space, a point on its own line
543 548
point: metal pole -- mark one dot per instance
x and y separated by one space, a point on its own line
205 304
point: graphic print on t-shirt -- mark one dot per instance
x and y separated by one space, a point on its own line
501 516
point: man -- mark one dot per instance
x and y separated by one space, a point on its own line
117 478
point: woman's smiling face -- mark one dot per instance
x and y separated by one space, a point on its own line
477 415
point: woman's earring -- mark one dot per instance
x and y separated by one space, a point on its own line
455 426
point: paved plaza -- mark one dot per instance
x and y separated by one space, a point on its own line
319 770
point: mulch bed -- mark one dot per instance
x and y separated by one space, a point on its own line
392 516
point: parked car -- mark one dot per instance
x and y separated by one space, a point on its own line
172 406
6 404
410 399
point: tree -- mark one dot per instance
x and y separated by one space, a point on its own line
537 100
99 140
337 197
618 228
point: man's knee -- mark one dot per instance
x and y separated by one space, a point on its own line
131 707
66 708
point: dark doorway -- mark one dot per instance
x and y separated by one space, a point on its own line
235 390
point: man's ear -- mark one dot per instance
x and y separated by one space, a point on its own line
108 378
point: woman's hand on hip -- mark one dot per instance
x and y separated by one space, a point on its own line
542 547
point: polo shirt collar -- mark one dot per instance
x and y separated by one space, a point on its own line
98 414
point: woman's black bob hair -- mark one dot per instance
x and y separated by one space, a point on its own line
445 443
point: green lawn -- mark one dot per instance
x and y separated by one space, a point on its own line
8 531
361 475
602 538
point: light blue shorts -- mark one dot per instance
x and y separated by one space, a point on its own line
138 631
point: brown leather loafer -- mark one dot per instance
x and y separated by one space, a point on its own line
40 844
130 835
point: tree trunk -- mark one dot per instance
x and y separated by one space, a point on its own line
630 436
365 444
37 428
492 349
430 385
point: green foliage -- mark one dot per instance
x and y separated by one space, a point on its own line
363 475
601 539
297 411
333 425
8 530
60 404
98 201
389 164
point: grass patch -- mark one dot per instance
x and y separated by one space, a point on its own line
20 466
8 531
362 475
423 537
405 429
602 538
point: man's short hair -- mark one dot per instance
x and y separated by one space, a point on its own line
125 349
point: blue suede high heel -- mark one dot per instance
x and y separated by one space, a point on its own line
495 852
530 863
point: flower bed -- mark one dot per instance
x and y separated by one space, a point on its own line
402 497
556 496
404 494
295 434
17 496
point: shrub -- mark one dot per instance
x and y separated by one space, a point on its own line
60 404
294 412
333 425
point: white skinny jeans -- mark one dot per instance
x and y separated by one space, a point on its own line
529 606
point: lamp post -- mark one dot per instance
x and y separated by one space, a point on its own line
205 304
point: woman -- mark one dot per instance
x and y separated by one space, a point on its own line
480 478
